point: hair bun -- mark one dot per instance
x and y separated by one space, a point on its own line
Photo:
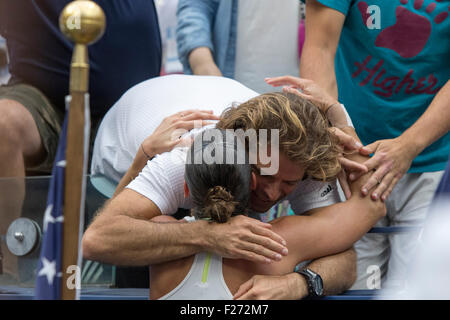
219 204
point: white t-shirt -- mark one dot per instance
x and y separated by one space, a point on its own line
267 41
162 181
141 109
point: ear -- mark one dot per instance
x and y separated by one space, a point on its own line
186 190
253 181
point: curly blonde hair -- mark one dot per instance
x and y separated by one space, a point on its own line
304 135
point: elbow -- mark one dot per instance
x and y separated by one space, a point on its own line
91 246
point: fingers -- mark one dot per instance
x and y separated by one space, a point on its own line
256 242
346 140
388 191
369 149
342 177
351 165
264 231
295 91
189 125
193 119
263 247
252 256
192 114
181 142
199 115
376 179
244 288
382 186
287 80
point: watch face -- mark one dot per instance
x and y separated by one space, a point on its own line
317 285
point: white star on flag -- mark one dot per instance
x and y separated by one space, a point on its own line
48 218
61 163
48 270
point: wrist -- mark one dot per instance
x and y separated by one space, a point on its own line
149 154
140 160
206 69
202 62
414 144
336 115
297 285
202 238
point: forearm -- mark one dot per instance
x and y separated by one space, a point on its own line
139 162
202 62
131 242
338 271
323 29
195 19
433 124
317 64
122 234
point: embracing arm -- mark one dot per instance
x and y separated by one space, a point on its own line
338 273
323 27
329 233
122 234
165 137
332 229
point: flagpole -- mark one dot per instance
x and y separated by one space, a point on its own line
83 22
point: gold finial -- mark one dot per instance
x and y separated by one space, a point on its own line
82 21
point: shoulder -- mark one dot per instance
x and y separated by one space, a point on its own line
310 194
162 181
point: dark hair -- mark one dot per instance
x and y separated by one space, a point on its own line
219 187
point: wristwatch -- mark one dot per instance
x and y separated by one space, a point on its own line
314 281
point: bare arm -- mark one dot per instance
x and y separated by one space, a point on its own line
165 137
338 273
393 157
332 229
122 234
202 62
323 29
326 231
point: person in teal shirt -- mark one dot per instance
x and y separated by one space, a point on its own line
388 62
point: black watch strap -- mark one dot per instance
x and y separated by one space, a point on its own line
314 281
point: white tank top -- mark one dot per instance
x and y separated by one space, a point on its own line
204 281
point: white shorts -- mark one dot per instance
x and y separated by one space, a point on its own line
383 258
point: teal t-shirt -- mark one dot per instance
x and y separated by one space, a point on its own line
392 59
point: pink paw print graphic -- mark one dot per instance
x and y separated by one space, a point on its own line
411 31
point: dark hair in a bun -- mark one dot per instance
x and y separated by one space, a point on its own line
218 189
219 204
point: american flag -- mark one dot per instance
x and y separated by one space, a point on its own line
48 281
